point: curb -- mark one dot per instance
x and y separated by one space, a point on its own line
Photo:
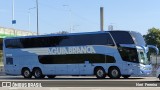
2 74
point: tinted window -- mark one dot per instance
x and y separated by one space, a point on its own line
75 58
53 41
128 54
13 43
122 37
9 61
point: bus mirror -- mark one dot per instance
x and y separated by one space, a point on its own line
154 47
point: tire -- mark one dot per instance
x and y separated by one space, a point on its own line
100 73
38 73
126 76
114 73
159 77
26 73
51 76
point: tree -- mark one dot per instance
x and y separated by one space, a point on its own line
153 37
62 32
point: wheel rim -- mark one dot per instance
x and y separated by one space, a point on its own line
100 73
115 73
37 73
26 73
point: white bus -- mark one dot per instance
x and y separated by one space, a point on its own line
108 53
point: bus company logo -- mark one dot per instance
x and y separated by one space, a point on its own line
6 84
71 50
61 50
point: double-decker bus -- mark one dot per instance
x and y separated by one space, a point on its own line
107 53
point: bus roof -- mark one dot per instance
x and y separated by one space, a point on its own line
67 34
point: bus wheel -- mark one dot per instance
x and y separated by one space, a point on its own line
159 76
114 73
100 73
26 73
51 76
38 73
126 76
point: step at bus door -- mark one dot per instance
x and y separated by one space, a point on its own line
130 68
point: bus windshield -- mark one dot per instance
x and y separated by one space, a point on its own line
138 38
143 57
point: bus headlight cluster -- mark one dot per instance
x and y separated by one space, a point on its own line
145 68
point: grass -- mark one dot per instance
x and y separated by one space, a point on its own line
1 64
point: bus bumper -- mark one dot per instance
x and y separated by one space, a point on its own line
145 73
12 72
145 70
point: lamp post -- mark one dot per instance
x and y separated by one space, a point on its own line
29 17
37 18
13 20
12 11
101 19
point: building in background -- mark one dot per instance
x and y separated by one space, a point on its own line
10 32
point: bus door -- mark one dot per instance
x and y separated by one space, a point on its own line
86 68
130 58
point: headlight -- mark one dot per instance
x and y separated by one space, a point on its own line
144 68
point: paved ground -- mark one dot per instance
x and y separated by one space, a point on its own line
77 78
82 83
